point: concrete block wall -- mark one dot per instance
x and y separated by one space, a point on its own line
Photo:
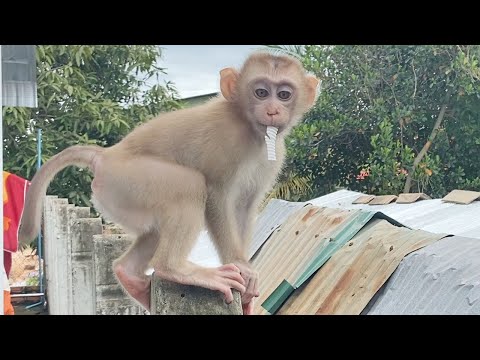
80 278
78 263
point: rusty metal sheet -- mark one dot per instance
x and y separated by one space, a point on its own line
352 276
270 218
294 246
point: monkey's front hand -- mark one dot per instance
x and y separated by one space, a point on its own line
251 286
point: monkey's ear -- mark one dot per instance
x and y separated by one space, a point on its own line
228 82
312 84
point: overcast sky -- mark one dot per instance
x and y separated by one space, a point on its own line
195 68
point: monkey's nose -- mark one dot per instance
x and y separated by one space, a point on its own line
272 112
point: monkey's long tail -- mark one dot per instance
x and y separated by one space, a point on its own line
32 212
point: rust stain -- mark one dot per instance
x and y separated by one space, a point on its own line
329 304
338 219
309 214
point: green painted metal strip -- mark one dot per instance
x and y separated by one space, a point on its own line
278 297
345 234
380 215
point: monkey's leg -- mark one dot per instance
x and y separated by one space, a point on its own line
130 268
146 195
180 226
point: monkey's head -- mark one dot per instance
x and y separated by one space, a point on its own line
270 90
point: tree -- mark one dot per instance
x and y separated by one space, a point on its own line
390 118
86 95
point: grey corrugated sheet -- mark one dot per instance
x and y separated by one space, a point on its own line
19 76
429 215
440 279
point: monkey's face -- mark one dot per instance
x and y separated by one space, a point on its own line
270 91
271 102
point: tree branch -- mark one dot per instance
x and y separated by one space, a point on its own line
426 147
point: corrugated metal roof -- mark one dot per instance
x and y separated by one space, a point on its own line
301 245
288 259
349 280
429 215
440 279
271 217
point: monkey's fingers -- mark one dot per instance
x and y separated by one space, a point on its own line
230 272
248 308
235 285
249 292
227 290
234 276
256 291
229 267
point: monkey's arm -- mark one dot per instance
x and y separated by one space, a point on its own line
227 235
220 217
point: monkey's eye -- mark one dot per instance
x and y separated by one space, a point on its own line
261 93
284 95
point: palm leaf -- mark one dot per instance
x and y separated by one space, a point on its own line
290 187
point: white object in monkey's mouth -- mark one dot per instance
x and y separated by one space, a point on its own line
270 140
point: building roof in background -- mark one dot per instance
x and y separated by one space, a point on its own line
433 215
198 99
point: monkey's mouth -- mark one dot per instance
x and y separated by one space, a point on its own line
262 129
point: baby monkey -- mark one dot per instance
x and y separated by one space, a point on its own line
209 165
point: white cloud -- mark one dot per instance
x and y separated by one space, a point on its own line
194 69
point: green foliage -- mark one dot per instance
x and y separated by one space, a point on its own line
87 95
362 86
32 281
388 162
290 186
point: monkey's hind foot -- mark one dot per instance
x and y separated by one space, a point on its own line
137 287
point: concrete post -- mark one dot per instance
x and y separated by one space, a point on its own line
82 229
56 263
175 299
